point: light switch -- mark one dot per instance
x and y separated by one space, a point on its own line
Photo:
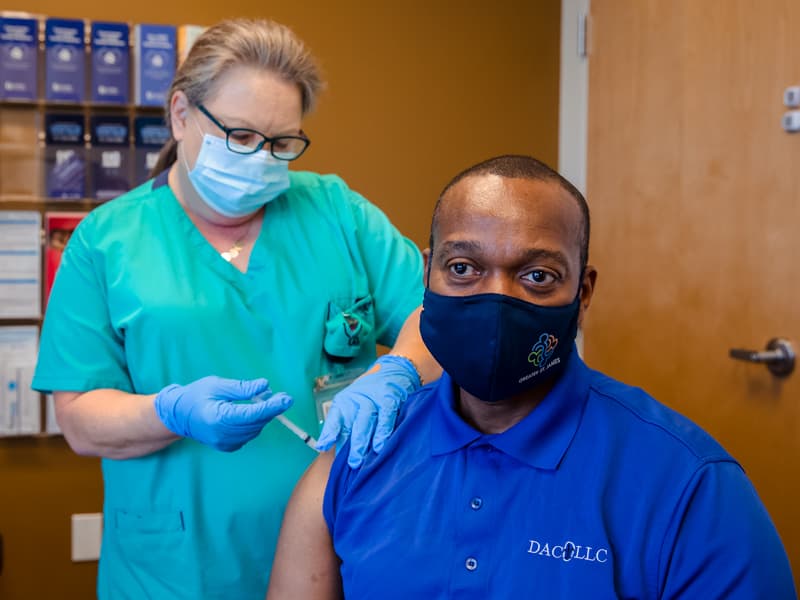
87 532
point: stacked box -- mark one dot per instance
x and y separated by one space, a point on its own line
110 62
18 58
65 156
154 55
58 228
110 155
65 60
151 133
187 34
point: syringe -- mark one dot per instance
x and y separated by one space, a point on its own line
304 436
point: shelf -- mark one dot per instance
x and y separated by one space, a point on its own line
14 321
20 202
55 104
21 147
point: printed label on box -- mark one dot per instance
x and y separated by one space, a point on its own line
58 227
65 60
110 62
20 267
110 157
155 63
151 133
187 35
18 64
19 404
65 156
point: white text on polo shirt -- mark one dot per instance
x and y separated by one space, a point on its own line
568 551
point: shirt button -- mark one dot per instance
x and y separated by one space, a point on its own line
471 564
476 503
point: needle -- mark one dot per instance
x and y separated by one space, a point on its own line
305 437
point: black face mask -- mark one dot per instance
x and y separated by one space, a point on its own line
496 346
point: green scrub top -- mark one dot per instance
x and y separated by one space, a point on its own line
142 300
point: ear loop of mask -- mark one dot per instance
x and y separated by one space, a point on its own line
183 154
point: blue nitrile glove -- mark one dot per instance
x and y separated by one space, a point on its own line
206 410
369 403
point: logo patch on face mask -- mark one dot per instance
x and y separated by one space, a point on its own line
543 349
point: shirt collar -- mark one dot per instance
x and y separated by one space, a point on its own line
161 179
541 439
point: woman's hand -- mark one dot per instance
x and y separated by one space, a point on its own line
366 410
211 410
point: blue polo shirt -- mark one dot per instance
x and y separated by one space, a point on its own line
600 492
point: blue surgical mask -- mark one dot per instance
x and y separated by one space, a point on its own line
236 185
495 346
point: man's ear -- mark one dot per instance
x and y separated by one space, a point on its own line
178 114
426 266
587 290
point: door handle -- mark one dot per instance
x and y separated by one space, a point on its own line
779 356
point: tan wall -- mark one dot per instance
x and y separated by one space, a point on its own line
417 91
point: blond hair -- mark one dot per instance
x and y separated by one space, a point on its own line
258 43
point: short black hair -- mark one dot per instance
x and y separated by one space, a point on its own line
519 166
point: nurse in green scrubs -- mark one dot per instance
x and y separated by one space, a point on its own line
191 311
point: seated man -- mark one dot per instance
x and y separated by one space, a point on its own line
522 473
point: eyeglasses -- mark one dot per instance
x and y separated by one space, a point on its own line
249 141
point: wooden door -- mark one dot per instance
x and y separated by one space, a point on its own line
695 195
